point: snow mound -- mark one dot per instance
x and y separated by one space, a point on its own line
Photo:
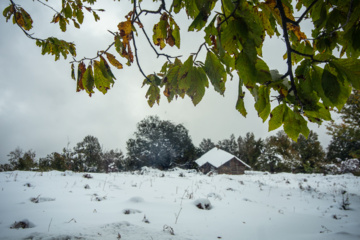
203 203
136 199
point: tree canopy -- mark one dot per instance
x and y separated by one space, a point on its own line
321 71
161 144
345 141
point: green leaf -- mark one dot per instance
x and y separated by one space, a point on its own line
337 92
62 24
68 11
277 117
88 80
177 4
102 79
80 16
198 84
192 80
294 124
171 81
216 72
246 70
160 31
263 72
105 68
321 114
76 24
96 17
240 106
175 32
199 22
348 69
262 104
153 94
185 73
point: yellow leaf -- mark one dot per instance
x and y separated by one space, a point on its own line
113 61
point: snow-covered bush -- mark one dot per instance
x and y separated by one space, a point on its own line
203 203
350 166
22 224
346 166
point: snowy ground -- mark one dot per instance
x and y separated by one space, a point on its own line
154 204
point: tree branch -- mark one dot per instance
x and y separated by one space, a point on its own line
197 53
100 53
48 6
289 72
134 17
231 14
305 12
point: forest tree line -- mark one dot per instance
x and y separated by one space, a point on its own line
163 144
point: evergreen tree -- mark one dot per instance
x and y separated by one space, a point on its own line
205 146
160 144
279 154
113 161
249 149
87 155
22 160
229 145
345 141
310 152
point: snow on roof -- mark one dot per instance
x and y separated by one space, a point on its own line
217 157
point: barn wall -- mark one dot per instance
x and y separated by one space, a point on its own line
232 167
207 167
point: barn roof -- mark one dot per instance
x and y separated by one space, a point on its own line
217 157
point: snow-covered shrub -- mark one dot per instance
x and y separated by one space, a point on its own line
87 175
131 211
332 168
98 198
344 166
39 199
350 166
203 203
22 224
168 229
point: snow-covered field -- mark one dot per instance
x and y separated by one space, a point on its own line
155 205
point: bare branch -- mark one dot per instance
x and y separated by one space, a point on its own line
197 53
100 53
48 6
305 12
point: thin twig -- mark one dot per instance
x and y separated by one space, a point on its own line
305 12
100 53
197 53
49 225
134 44
48 6
231 14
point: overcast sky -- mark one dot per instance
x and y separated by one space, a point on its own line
40 109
